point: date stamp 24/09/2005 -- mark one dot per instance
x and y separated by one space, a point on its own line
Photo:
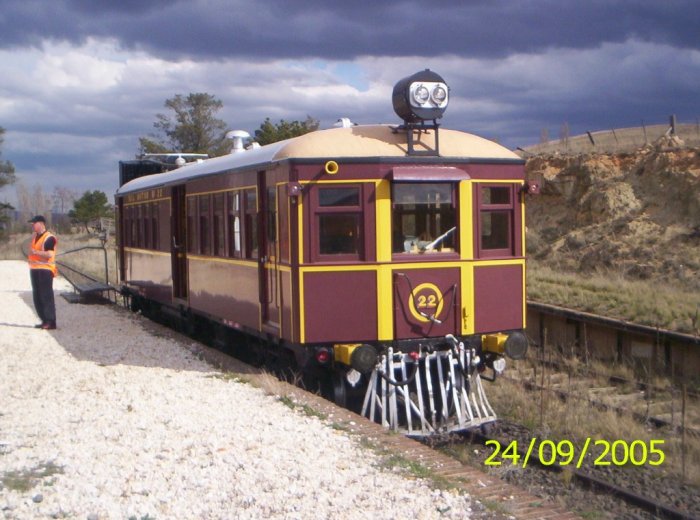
564 453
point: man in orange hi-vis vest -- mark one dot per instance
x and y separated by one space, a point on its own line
42 269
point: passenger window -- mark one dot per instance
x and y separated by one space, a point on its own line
330 197
496 217
339 221
155 236
271 217
219 225
234 225
134 227
251 224
204 243
339 234
424 218
191 224
146 226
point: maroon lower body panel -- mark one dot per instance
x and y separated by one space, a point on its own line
498 297
340 306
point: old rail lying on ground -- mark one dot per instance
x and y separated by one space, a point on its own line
665 352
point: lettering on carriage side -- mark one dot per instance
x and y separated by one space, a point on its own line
425 300
145 196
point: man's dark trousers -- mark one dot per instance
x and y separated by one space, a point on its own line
42 289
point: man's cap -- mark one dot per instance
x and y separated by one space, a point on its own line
37 218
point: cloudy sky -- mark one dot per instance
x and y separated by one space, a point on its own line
82 80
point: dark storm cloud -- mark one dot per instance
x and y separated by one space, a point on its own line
270 29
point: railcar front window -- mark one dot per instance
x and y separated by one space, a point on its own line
339 220
495 230
496 220
424 218
339 234
333 197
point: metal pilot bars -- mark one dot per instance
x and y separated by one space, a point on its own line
437 392
420 100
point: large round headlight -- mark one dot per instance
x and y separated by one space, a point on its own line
421 95
439 95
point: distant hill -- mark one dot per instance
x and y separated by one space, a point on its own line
615 140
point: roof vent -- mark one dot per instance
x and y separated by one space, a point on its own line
237 136
344 122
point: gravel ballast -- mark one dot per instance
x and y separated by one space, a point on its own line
104 419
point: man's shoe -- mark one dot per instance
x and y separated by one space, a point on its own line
39 325
48 326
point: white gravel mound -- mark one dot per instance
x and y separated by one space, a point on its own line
102 419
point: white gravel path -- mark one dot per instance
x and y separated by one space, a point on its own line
139 427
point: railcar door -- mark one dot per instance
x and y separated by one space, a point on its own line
269 256
178 244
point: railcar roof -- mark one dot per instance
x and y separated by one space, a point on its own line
337 144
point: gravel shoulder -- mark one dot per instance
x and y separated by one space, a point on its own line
106 418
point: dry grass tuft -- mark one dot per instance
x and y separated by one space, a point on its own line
551 418
610 294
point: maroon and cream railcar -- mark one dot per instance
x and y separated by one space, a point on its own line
398 271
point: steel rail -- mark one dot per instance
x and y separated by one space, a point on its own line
614 323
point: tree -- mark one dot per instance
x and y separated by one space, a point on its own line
91 206
271 133
193 128
7 169
7 176
33 201
61 197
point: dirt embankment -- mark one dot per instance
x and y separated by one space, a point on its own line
637 214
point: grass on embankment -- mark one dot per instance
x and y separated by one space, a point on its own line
608 294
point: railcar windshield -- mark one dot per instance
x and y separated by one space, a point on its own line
424 217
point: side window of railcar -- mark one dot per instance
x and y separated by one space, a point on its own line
496 216
234 224
155 222
127 227
339 221
424 217
251 224
146 226
142 234
134 241
271 217
191 224
204 242
219 225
